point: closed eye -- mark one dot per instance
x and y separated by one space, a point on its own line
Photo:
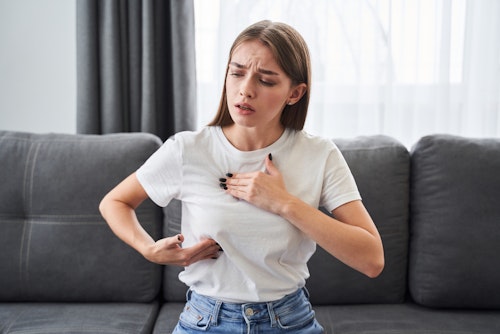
267 83
235 74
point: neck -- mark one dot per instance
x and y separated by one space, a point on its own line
251 139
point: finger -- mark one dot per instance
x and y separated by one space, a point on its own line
208 253
270 167
236 193
171 242
204 249
238 182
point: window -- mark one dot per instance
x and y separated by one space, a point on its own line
403 68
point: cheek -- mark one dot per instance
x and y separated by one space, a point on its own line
277 101
230 90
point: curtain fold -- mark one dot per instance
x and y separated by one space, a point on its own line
135 66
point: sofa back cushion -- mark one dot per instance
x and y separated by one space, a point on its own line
173 289
54 244
381 168
455 222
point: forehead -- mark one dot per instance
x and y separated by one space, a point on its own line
254 53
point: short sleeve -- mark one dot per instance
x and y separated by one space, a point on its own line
161 174
339 186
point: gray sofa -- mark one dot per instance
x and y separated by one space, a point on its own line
63 271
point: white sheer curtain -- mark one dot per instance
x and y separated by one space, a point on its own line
404 68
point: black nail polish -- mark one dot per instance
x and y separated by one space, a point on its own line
222 185
270 157
222 179
179 237
229 174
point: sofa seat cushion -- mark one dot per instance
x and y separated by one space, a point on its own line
75 318
455 222
168 318
405 319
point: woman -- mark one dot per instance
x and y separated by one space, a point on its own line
250 184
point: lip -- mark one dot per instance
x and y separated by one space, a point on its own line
244 108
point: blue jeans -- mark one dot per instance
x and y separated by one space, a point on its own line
291 314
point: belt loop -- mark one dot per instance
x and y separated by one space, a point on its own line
272 315
306 292
188 294
215 313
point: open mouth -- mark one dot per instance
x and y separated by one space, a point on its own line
244 107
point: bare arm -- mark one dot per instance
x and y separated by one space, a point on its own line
118 209
351 236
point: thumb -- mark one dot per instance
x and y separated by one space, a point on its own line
179 238
270 167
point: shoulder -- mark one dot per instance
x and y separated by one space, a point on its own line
190 136
193 139
310 142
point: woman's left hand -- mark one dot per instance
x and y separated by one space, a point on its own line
351 236
265 190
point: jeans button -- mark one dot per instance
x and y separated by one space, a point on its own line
249 312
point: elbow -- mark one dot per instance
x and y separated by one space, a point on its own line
103 205
376 265
375 268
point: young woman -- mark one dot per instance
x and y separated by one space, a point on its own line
250 184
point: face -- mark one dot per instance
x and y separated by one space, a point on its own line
257 89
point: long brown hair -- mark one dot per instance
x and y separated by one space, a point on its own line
292 55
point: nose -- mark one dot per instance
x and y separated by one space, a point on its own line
247 89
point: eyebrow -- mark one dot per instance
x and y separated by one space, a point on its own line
260 70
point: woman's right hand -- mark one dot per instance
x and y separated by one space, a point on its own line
169 251
118 209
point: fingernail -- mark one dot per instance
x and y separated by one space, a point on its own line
270 157
229 174
178 237
222 179
223 186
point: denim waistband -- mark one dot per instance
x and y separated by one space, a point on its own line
251 312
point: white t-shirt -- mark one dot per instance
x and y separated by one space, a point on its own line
265 257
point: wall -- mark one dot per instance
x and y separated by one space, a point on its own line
38 65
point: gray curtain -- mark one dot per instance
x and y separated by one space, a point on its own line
135 66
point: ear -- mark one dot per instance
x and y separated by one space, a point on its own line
297 93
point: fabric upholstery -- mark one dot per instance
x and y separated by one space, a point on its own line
405 319
455 224
168 317
381 168
63 271
54 244
77 318
173 289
